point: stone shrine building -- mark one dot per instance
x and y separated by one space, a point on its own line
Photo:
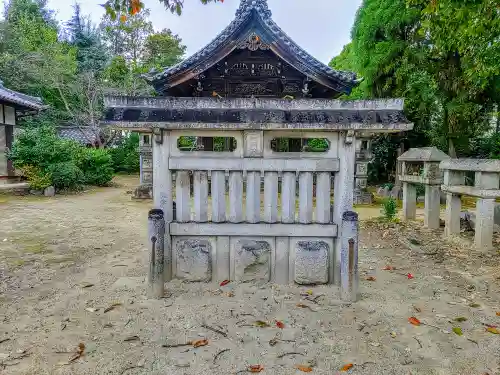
13 105
249 134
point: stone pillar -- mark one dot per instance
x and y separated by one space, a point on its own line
485 211
162 191
349 257
156 229
453 202
145 189
409 201
432 206
343 193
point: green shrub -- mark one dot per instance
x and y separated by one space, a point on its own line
37 179
96 165
420 189
389 209
41 148
125 157
66 175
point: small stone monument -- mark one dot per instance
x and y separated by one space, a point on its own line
421 166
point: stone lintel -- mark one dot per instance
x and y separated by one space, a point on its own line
250 103
149 126
472 191
419 180
475 165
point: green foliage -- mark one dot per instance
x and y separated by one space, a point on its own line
163 49
37 179
125 157
66 175
390 209
97 166
41 148
119 9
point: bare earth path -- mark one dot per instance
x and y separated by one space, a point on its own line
51 250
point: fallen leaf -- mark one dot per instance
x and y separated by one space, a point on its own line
371 278
393 334
91 309
347 367
256 368
303 368
410 276
417 309
493 330
79 352
303 306
389 268
198 343
414 321
498 313
230 294
131 338
460 319
475 305
112 307
87 285
310 292
261 323
225 282
280 324
458 331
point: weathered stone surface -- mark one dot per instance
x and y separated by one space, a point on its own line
497 214
143 192
468 221
252 260
311 262
362 197
36 192
194 262
49 191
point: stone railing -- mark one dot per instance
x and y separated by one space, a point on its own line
486 189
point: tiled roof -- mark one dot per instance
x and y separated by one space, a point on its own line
237 30
81 135
21 100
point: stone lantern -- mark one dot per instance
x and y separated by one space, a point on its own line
421 166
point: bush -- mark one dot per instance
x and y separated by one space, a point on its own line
37 179
125 157
66 175
96 165
41 148
389 209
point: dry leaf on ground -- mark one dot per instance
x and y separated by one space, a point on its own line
475 305
371 278
410 276
262 324
493 330
414 321
280 324
112 307
198 343
225 282
389 268
131 338
498 313
347 367
458 331
303 368
460 319
256 368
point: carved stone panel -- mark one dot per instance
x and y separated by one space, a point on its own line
254 144
311 262
147 177
193 260
147 163
361 169
252 260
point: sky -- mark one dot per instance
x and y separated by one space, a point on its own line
321 27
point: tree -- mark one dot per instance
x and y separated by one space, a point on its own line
91 52
163 49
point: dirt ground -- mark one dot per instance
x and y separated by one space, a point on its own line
67 262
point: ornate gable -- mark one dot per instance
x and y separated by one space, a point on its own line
252 57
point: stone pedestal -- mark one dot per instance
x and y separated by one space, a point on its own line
432 207
409 201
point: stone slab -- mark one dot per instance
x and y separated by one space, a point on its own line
252 260
193 259
311 262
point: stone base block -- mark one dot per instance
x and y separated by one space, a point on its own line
252 260
311 263
143 192
193 259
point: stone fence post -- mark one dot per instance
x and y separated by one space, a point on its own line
156 230
349 275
